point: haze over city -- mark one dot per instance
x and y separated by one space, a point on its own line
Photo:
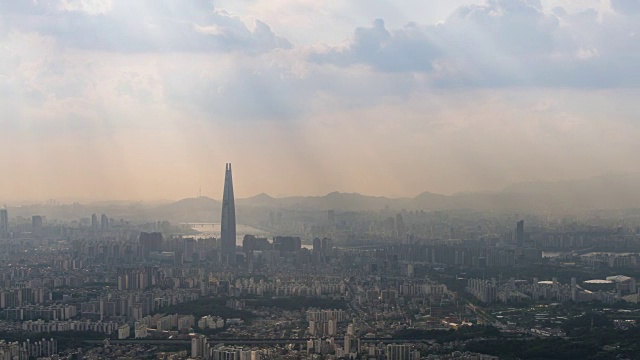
403 180
109 100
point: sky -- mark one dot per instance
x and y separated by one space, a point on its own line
148 99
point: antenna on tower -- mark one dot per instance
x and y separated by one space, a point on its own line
200 192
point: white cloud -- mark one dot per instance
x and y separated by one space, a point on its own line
377 46
307 22
142 26
503 43
626 6
91 7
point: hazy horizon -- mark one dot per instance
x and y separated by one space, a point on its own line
159 201
108 100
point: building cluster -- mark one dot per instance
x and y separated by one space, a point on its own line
44 312
325 322
394 292
27 350
211 322
349 286
611 260
38 227
42 326
201 348
608 291
134 305
170 322
285 285
465 255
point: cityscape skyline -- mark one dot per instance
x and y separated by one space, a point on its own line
423 277
415 180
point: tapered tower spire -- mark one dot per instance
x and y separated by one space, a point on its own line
228 221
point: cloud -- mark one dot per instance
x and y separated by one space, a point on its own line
503 43
257 76
380 48
238 93
92 7
278 86
626 6
142 26
515 28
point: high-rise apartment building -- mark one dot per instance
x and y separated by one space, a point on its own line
150 242
94 222
104 222
399 352
189 246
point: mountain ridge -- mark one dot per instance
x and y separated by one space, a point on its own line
606 192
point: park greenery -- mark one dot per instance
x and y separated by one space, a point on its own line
206 306
297 303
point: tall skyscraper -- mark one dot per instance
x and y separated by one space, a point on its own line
520 233
4 223
228 221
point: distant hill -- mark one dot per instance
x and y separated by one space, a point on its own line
606 192
602 192
200 209
260 200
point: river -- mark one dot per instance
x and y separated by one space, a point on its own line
208 230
